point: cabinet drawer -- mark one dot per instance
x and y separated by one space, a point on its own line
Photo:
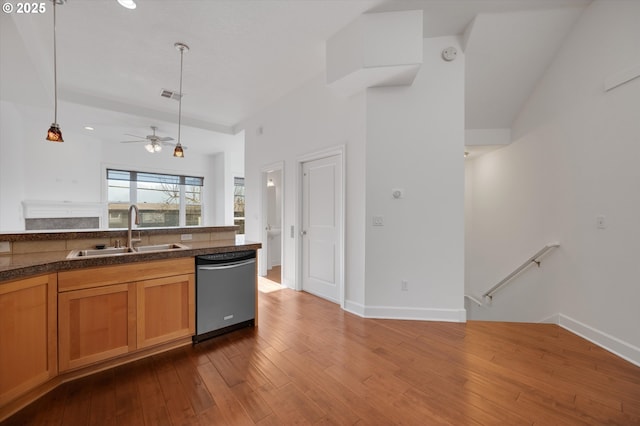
127 272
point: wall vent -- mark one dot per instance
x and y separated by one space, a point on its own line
170 94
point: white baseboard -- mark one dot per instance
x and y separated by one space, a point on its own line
612 344
402 313
354 308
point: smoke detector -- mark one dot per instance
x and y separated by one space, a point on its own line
449 54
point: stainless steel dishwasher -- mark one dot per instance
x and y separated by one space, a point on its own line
225 293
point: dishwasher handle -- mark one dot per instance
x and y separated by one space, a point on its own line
225 266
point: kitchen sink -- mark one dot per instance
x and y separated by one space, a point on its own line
109 251
160 247
119 251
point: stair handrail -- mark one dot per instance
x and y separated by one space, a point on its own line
533 259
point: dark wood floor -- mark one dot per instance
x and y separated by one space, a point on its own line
311 363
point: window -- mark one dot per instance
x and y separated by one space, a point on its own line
238 204
163 200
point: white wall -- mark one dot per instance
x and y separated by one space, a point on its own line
234 167
415 142
308 120
574 158
411 137
11 161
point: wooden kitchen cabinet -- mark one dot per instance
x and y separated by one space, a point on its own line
28 344
96 324
108 311
165 309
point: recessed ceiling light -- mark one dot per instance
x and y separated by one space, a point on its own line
88 128
129 4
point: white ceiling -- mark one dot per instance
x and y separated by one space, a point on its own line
246 54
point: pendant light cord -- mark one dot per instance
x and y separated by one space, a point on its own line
55 67
180 103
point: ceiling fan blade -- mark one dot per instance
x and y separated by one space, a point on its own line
171 144
132 141
134 136
165 139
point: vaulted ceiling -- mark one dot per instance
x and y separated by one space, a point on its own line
246 54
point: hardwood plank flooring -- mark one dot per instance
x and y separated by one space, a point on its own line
274 274
309 362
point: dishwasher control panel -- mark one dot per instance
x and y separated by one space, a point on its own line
225 257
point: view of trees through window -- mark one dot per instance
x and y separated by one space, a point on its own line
238 204
163 200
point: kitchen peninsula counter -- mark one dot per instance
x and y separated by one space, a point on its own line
19 264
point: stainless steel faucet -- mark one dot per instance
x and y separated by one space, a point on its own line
131 241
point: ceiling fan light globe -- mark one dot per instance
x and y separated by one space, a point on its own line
149 147
129 4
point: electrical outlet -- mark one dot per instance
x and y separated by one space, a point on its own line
186 237
600 222
404 285
378 221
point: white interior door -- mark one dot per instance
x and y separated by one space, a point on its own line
321 227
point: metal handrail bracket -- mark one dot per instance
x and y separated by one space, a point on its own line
533 259
473 299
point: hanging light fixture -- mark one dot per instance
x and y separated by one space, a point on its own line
178 151
153 147
54 134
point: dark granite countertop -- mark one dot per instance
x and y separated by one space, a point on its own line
24 265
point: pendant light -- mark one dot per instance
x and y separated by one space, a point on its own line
54 134
178 151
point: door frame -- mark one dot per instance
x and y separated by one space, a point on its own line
335 151
263 255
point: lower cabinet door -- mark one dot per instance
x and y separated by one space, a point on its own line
28 344
96 324
166 309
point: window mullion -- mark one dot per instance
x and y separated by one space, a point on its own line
182 215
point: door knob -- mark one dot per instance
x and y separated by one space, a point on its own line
303 233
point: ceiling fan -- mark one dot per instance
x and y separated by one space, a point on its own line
153 142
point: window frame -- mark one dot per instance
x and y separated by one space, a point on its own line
239 181
182 182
